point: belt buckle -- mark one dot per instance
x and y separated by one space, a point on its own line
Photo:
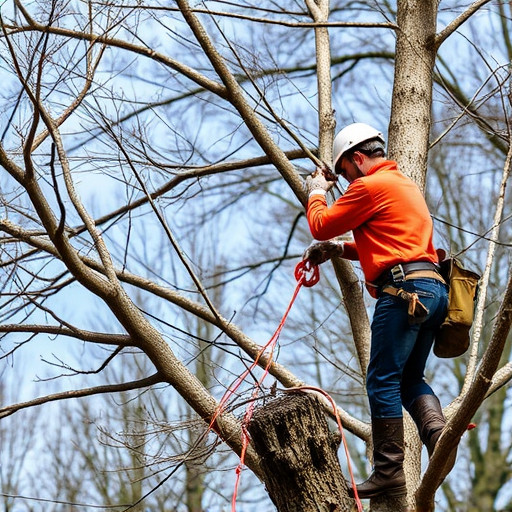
398 273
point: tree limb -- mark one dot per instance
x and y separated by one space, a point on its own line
186 71
457 22
237 99
469 403
79 334
484 282
283 375
112 388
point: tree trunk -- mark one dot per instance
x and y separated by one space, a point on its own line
299 460
409 128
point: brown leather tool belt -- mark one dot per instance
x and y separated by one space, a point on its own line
406 271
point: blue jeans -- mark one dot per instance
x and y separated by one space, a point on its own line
399 351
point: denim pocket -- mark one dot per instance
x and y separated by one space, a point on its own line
422 287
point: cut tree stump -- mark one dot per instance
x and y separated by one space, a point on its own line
299 455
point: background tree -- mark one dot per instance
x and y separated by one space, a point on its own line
17 440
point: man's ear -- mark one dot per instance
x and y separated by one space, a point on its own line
358 158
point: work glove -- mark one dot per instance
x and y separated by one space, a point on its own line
318 252
320 181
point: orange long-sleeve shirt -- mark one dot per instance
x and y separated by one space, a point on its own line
387 215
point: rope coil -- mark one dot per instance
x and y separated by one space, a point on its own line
306 273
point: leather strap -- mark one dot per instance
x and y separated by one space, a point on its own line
391 290
404 271
429 274
413 266
417 274
417 312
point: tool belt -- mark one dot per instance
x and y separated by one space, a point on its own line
417 312
406 271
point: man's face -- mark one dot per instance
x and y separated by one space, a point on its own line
348 169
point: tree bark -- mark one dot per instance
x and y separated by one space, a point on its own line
409 128
299 460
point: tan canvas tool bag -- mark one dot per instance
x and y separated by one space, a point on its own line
452 338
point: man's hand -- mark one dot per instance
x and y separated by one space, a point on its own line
320 181
318 252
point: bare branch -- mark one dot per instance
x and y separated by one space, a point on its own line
73 106
113 388
171 369
66 251
122 340
281 373
501 378
113 42
236 97
191 174
484 283
167 231
270 21
457 22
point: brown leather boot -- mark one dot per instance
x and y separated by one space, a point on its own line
428 415
388 457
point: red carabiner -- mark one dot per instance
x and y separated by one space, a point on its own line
306 273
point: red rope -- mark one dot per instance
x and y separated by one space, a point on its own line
270 344
306 275
301 280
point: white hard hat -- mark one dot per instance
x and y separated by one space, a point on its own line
351 136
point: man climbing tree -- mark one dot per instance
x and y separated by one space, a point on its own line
393 233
